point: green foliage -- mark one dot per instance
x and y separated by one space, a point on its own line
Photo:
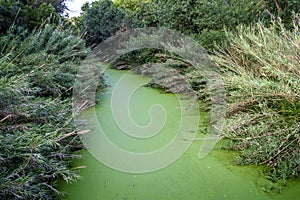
206 19
8 12
261 69
48 48
132 5
37 137
283 9
29 14
103 19
200 17
209 38
44 12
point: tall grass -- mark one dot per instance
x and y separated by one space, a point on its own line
37 72
261 69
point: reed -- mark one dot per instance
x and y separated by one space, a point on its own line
261 70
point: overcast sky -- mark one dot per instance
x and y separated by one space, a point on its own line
75 6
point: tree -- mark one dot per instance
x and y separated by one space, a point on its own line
29 14
132 5
204 18
58 5
103 19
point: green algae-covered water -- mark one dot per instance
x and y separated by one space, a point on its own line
188 178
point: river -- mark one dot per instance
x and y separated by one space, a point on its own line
215 177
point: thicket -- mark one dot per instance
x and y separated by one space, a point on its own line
37 133
103 19
205 19
283 9
132 5
30 14
261 70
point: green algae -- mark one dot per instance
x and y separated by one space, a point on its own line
188 178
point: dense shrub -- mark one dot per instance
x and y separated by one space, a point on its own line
206 19
37 135
103 19
283 9
261 68
30 14
132 5
200 17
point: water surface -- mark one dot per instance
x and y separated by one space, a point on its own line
212 178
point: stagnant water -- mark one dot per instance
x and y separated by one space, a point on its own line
189 178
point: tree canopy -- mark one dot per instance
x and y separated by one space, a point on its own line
29 14
102 19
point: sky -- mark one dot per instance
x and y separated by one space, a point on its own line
75 6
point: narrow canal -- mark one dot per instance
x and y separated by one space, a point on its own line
213 178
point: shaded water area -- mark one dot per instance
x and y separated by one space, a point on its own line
188 178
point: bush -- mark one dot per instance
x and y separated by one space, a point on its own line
103 19
29 14
200 17
129 4
285 10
